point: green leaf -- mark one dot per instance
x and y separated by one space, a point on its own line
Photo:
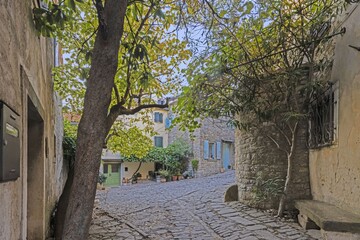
71 4
159 13
39 11
222 13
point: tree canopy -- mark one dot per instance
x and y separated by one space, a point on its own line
256 57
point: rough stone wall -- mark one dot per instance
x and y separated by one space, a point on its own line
335 169
214 130
25 73
257 156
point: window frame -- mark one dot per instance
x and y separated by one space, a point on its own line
162 141
323 118
158 117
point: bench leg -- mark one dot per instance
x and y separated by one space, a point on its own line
306 222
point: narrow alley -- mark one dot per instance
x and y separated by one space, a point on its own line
188 209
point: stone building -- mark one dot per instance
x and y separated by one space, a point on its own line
212 144
327 162
335 160
32 169
119 171
258 160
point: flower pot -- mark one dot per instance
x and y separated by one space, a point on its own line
162 180
175 178
180 177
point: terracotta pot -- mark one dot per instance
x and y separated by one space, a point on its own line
174 178
162 180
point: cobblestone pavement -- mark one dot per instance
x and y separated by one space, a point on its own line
188 209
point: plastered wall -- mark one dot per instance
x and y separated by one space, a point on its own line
25 75
335 170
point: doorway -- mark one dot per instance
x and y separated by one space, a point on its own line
226 155
112 173
35 174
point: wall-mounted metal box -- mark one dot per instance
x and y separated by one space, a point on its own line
9 144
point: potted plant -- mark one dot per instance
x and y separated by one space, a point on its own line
164 174
101 181
195 165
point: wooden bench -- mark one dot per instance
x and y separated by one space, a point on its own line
326 216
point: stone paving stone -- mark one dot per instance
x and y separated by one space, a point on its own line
249 238
242 221
256 227
189 209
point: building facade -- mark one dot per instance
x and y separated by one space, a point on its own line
32 129
212 145
335 159
118 171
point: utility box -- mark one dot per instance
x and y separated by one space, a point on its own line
9 144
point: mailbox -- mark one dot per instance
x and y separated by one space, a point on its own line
9 144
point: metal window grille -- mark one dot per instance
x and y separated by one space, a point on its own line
322 119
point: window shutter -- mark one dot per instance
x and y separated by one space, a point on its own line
167 123
218 150
160 117
206 149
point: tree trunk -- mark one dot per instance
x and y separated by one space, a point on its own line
289 171
137 169
286 186
92 128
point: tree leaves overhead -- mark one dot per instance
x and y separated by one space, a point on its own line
254 58
149 56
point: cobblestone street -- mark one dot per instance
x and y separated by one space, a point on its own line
188 209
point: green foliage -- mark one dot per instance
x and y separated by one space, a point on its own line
259 63
102 178
164 173
130 142
69 148
173 157
195 164
70 130
148 66
69 142
266 189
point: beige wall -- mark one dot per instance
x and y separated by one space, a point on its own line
159 128
335 170
25 71
132 166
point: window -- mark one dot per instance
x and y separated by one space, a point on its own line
158 117
212 150
126 169
158 141
106 170
209 150
322 124
115 168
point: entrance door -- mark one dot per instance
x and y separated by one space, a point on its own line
112 173
226 155
35 174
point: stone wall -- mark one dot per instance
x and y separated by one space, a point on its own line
212 130
259 159
26 86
